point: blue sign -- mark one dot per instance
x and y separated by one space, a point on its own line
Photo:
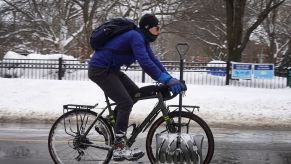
241 71
264 71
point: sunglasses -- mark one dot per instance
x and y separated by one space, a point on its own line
158 28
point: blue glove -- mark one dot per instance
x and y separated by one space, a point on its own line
164 78
176 86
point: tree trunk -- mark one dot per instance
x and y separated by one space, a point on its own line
271 22
234 25
287 56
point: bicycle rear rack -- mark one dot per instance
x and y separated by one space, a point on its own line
70 107
188 108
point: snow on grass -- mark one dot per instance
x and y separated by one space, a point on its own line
43 100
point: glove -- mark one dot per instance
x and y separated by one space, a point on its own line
164 78
176 86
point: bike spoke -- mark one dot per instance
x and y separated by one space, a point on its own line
67 145
191 125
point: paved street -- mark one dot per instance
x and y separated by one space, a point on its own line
28 144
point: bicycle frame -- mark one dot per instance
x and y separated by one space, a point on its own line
160 107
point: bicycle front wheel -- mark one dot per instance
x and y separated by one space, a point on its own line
190 124
67 144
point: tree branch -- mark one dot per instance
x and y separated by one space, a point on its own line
260 19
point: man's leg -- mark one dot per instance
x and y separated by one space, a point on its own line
130 86
113 87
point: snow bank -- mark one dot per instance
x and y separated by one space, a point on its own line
42 100
217 63
14 55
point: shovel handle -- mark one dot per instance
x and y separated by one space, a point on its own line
182 49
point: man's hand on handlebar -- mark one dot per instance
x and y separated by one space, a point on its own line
176 85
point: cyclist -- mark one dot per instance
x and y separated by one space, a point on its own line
104 70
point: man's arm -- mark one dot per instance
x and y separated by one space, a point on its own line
156 60
141 54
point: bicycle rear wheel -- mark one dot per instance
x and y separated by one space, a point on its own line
66 142
191 124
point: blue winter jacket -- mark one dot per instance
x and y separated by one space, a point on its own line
126 49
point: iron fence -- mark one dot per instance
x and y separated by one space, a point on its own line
194 73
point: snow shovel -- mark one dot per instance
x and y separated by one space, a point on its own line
179 147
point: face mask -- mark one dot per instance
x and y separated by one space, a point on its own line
149 36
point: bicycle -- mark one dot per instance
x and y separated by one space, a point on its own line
80 130
82 135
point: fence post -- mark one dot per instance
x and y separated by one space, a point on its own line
227 73
289 77
60 74
143 76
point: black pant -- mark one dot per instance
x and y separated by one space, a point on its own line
119 88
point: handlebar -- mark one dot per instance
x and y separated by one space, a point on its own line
152 91
175 94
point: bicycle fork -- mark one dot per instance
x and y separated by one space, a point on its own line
169 121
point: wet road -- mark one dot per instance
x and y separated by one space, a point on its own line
27 143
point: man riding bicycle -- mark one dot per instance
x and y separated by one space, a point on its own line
104 70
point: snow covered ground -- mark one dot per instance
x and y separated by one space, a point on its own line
42 100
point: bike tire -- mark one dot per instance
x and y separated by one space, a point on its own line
64 137
197 121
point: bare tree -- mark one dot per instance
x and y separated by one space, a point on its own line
271 32
207 21
93 12
283 42
46 21
237 37
222 28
